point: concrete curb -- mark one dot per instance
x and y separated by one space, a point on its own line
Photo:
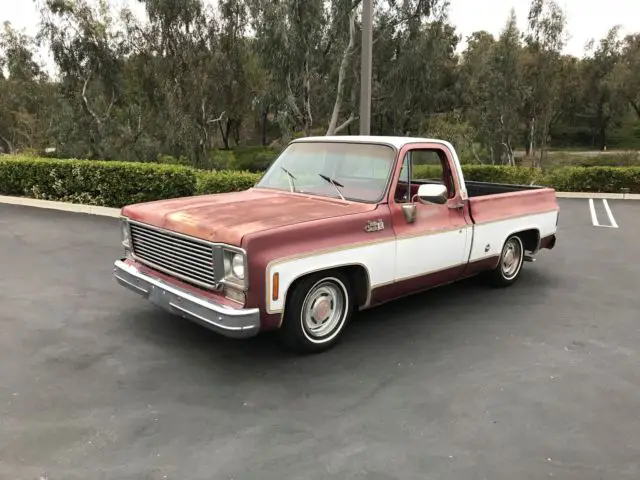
115 212
608 196
63 206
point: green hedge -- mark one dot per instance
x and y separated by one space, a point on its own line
225 181
251 159
595 179
487 173
115 184
110 184
564 179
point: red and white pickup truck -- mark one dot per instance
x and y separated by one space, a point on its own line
336 224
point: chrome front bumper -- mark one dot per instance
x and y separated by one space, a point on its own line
230 322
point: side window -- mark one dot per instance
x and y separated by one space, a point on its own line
426 166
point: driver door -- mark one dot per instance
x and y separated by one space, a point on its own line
434 249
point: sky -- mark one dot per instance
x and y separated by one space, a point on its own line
586 19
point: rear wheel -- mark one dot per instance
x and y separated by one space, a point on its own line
317 311
510 265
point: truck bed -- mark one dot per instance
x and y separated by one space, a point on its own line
481 189
490 202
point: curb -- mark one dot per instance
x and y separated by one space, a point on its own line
115 212
63 206
608 196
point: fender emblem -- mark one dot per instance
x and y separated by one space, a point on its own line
374 225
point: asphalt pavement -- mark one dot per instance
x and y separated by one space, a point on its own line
540 380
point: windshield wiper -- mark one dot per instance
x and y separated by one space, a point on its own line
334 183
291 179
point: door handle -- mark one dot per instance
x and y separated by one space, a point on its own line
456 205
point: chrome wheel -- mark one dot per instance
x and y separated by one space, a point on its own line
324 310
512 256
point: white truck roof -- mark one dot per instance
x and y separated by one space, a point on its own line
397 142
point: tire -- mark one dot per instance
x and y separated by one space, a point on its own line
317 310
509 267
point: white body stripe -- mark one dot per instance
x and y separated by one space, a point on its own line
494 234
416 256
395 260
377 258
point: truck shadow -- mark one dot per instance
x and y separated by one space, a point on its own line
435 320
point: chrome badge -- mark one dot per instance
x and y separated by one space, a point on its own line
374 225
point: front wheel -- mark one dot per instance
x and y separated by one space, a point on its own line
510 264
317 311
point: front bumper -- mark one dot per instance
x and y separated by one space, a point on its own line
230 322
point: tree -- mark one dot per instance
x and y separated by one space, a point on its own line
543 71
473 88
88 50
626 73
505 90
603 99
25 99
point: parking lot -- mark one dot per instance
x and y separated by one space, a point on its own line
540 380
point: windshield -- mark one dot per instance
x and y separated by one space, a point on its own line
353 171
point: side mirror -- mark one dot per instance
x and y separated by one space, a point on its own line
409 211
431 193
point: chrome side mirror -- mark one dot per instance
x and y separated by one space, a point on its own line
409 211
431 193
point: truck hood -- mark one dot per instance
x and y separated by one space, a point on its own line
228 217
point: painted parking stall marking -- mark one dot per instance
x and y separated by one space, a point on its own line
607 209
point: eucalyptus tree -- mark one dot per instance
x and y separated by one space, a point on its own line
543 68
603 100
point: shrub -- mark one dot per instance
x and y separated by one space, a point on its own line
503 174
566 179
221 160
104 183
225 181
487 173
595 179
115 184
568 159
253 159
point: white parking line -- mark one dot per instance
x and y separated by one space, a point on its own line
610 215
594 216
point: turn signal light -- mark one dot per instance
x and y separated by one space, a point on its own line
275 286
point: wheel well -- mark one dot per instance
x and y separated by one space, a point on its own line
357 275
530 239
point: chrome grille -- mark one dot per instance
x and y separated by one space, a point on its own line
178 255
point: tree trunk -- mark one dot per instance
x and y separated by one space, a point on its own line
236 132
532 133
264 128
337 106
8 146
224 132
602 136
636 108
308 118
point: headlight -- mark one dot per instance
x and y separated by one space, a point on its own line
237 266
125 233
234 268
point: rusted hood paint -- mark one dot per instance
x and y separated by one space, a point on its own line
228 217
